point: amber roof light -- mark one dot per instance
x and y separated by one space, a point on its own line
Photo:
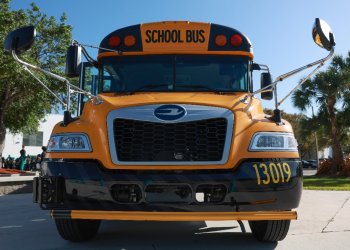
220 40
129 40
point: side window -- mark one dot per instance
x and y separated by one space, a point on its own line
236 76
88 82
107 82
112 79
241 74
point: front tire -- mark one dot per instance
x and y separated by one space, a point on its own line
77 230
270 230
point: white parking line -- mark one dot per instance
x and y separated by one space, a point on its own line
6 227
38 220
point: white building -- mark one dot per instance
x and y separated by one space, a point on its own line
326 153
32 143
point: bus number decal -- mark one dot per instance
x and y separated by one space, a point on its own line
275 173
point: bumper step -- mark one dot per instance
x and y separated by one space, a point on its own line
173 216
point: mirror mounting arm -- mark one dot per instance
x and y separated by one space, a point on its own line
293 72
44 85
26 67
86 54
60 78
258 66
97 47
300 83
289 74
70 87
320 64
277 112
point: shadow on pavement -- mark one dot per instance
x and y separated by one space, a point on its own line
19 187
171 235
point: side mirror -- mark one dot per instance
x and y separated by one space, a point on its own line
322 34
265 80
20 40
73 61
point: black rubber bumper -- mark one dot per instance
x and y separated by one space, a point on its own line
258 185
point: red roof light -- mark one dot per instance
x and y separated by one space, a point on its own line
114 41
236 40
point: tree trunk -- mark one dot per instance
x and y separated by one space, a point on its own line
3 99
3 106
2 134
2 139
337 153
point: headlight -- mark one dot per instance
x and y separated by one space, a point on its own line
273 141
70 142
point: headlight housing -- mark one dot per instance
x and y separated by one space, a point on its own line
273 141
69 142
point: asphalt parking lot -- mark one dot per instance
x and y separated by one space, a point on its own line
323 223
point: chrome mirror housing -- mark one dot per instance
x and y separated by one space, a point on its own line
322 34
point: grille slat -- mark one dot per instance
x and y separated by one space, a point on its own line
143 141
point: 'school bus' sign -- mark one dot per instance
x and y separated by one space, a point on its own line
177 36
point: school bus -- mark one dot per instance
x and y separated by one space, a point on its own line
170 129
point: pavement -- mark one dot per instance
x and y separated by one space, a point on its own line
323 223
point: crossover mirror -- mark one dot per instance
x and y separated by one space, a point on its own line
20 40
322 34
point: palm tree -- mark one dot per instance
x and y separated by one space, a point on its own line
329 90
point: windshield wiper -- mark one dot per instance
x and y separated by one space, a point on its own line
198 86
145 87
154 86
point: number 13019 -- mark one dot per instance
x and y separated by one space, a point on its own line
272 172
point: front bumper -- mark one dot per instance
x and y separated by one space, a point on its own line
172 216
70 187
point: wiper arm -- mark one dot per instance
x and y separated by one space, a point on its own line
154 86
148 86
197 86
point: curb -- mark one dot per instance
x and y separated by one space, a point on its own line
2 175
16 183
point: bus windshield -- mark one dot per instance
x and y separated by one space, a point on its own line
166 73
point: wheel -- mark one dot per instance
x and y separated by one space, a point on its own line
77 230
270 230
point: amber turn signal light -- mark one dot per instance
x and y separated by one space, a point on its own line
129 41
220 40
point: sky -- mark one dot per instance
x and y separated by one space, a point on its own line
280 31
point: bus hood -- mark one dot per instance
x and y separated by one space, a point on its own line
229 101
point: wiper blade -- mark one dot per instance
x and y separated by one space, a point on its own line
148 86
197 86
154 86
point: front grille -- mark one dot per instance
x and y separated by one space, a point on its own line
143 141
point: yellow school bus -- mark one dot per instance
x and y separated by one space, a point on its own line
170 129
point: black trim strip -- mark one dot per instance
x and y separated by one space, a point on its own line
61 214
